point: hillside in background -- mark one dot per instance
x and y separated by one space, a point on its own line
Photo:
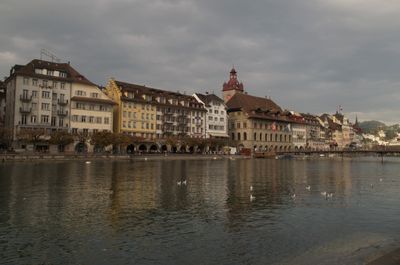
373 127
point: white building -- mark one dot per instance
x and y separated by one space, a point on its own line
39 97
217 119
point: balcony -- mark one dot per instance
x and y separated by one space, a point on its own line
62 112
25 98
25 110
62 102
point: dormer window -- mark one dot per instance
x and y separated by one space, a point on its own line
50 72
63 74
38 71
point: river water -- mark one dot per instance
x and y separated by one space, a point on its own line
121 212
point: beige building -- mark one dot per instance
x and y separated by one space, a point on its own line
91 109
256 123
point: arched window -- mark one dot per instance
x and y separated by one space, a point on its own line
255 136
280 138
233 136
266 137
238 137
276 138
244 136
260 136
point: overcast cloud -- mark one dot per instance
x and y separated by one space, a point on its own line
307 55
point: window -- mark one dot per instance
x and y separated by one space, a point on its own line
34 82
74 117
106 120
23 119
221 119
63 74
55 84
45 106
83 118
44 82
80 106
245 136
54 95
91 119
44 118
45 94
98 120
95 95
26 81
91 107
53 121
33 119
80 93
74 130
62 85
50 72
34 94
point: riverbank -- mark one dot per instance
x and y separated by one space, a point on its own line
90 157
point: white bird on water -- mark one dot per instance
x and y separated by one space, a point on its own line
88 162
323 193
251 188
252 198
308 187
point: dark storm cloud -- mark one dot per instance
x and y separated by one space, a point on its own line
308 55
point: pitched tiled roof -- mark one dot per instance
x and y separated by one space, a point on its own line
257 107
29 70
140 90
249 103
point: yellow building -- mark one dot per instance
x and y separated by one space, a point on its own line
135 112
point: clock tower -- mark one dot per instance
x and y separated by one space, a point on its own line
231 87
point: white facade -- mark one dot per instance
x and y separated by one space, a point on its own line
299 136
216 122
37 103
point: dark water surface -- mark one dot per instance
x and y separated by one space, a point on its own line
123 212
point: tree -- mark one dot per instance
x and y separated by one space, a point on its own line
32 136
5 138
101 140
62 139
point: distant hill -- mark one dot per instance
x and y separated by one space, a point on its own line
373 127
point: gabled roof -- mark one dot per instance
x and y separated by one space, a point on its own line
208 98
29 70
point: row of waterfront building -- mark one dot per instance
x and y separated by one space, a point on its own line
53 96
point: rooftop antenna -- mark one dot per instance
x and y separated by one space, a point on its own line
48 54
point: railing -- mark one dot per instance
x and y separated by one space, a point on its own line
62 101
25 110
25 98
62 113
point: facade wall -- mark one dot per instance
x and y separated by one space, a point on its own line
139 119
299 135
35 103
88 113
259 135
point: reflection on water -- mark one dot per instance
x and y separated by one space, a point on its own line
135 212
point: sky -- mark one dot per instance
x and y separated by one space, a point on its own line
307 55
